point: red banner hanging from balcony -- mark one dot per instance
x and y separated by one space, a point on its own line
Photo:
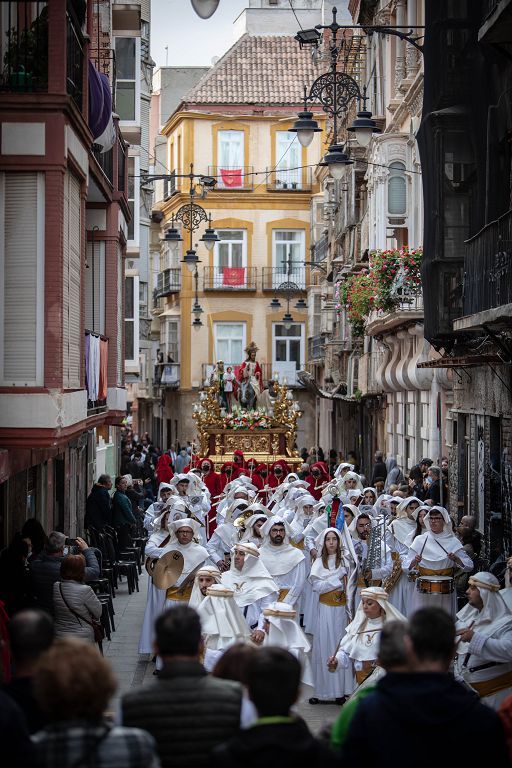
231 177
233 276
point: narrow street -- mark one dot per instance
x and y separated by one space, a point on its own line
133 669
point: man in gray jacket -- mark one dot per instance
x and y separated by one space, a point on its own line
45 569
187 711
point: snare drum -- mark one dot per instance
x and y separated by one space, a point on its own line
430 585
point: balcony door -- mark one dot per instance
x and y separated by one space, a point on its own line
288 156
230 259
231 159
288 253
229 343
288 350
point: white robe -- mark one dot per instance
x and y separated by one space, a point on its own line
155 598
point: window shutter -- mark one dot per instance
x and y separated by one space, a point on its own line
72 326
23 257
397 190
95 305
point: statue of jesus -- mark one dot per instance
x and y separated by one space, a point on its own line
251 370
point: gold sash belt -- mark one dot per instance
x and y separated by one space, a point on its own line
298 545
334 598
434 572
488 687
362 674
282 594
176 593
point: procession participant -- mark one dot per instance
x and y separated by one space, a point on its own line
155 600
360 643
213 482
253 586
181 539
250 370
225 535
206 576
228 472
241 489
253 525
484 653
317 479
403 523
254 477
302 517
282 630
399 584
419 517
278 471
329 578
369 576
285 563
239 459
165 490
370 496
434 555
222 623
188 487
349 482
342 469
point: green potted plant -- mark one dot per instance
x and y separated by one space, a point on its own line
26 56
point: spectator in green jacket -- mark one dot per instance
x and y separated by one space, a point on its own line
122 515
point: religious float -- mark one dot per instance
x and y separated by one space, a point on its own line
264 434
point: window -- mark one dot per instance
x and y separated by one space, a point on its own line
131 318
172 353
127 51
143 299
230 342
288 350
95 287
288 246
288 156
230 153
230 258
133 200
397 190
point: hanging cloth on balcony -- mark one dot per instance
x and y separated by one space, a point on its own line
100 109
93 368
231 177
102 389
233 276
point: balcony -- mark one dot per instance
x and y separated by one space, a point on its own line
167 375
285 372
170 187
488 269
168 281
274 279
229 279
96 366
74 60
321 249
232 178
24 47
106 162
296 180
316 348
408 310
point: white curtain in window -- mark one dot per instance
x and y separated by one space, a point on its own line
288 159
231 149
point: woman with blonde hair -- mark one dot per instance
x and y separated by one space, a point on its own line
73 685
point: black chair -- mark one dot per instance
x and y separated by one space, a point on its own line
124 563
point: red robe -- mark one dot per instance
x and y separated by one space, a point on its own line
273 480
224 477
163 471
316 483
258 374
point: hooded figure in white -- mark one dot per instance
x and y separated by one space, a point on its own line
435 554
222 623
236 489
484 652
284 562
506 593
283 631
303 515
198 591
370 575
330 577
252 584
156 509
360 644
194 555
225 534
253 524
155 602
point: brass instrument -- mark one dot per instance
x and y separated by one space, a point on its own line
376 538
395 574
241 521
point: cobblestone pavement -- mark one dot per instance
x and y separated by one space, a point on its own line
133 669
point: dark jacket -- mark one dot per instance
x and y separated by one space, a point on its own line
98 513
17 749
379 472
21 690
287 745
121 510
45 571
428 719
187 711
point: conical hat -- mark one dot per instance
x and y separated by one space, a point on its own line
168 569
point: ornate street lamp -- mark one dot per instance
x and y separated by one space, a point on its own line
288 289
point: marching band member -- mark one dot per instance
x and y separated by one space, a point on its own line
165 490
156 597
222 623
434 555
369 575
282 630
285 563
206 576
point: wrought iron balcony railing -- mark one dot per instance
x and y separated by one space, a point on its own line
229 279
24 47
273 278
232 177
295 180
488 267
316 348
168 281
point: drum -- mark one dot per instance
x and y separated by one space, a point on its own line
434 585
412 575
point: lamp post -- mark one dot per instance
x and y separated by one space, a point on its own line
205 8
288 288
335 90
192 216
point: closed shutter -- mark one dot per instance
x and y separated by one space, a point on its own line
22 292
119 345
95 287
144 133
71 305
397 190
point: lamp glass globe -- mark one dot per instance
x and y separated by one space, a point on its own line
336 170
205 8
305 136
363 136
